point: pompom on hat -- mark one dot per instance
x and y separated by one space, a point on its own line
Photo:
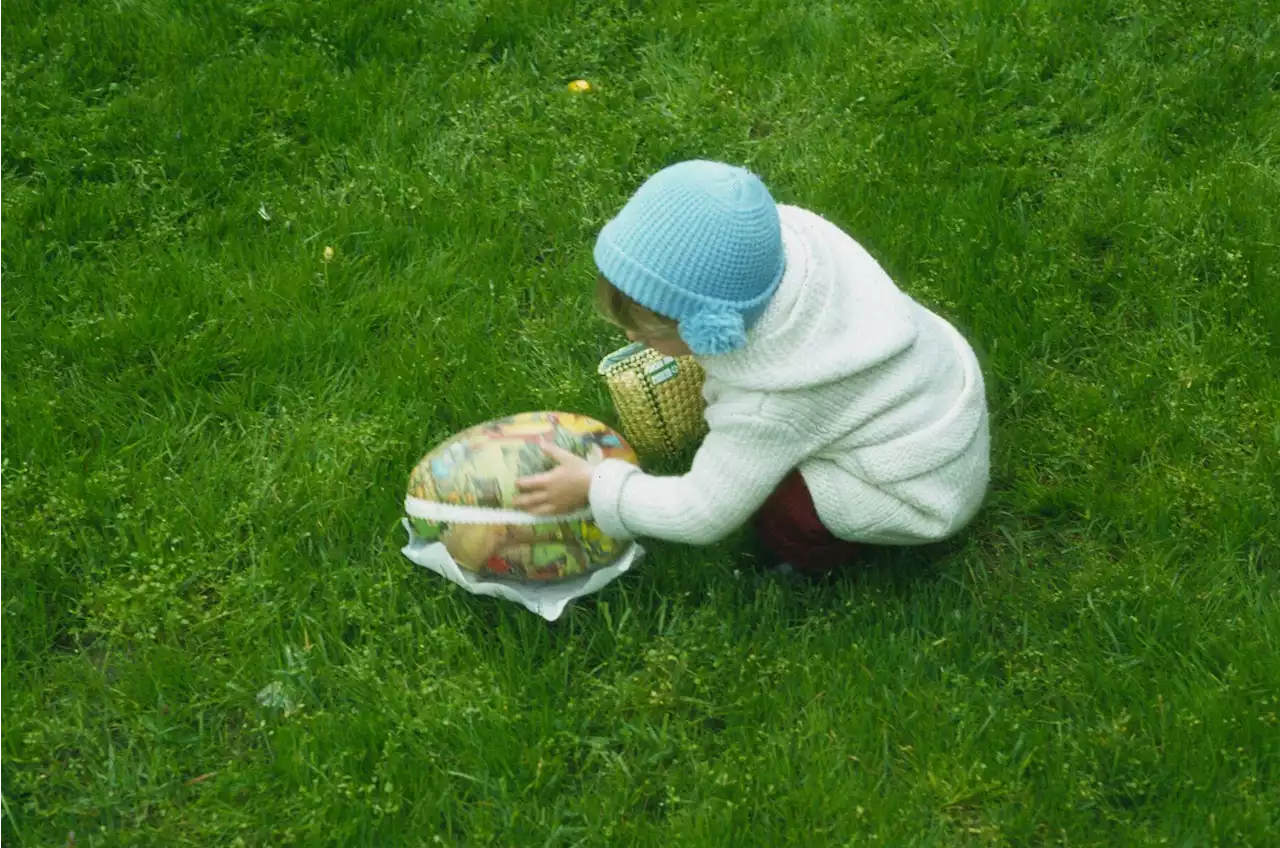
700 242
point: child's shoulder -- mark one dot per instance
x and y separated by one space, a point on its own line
804 220
814 229
797 214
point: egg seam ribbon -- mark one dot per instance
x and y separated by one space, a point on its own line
463 514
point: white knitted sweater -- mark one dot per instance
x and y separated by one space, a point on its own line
877 401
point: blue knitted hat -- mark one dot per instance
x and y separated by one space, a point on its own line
700 243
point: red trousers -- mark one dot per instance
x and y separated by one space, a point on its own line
789 528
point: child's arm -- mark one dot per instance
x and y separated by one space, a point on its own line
740 463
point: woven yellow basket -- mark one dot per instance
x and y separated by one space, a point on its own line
658 398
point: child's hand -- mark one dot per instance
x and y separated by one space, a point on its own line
563 489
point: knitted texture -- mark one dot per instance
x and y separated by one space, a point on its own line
699 243
878 402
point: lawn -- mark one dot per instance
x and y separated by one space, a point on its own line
209 634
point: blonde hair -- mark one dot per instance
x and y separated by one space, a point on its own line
620 310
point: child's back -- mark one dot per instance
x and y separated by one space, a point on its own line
885 397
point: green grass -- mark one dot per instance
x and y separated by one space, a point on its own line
207 429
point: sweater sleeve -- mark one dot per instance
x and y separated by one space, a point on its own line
740 463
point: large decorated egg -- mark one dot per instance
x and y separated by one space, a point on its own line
460 494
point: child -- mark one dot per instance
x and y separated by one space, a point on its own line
841 411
